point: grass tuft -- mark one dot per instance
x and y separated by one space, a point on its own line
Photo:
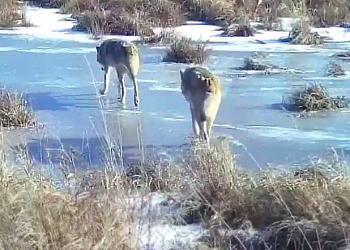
334 69
316 98
185 50
301 34
14 111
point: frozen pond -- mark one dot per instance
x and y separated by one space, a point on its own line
55 74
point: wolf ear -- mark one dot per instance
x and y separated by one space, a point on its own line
182 74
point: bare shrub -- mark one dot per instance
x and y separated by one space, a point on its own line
315 98
334 69
185 50
14 110
301 34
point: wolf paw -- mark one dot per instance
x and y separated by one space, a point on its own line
102 92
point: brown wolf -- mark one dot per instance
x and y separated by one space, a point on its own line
124 57
202 90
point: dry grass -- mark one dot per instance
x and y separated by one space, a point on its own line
163 37
14 110
185 50
35 215
315 98
11 14
220 12
334 69
125 17
140 16
303 209
301 34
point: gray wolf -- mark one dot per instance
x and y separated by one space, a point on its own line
124 57
202 90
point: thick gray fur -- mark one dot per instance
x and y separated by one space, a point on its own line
124 58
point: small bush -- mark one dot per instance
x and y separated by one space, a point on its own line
301 34
334 69
13 110
244 30
185 50
316 98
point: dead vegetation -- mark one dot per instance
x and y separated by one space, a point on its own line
302 208
14 111
316 98
273 209
124 17
163 37
301 34
35 215
243 30
252 64
334 69
184 50
11 15
258 62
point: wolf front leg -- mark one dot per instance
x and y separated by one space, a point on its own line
106 80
